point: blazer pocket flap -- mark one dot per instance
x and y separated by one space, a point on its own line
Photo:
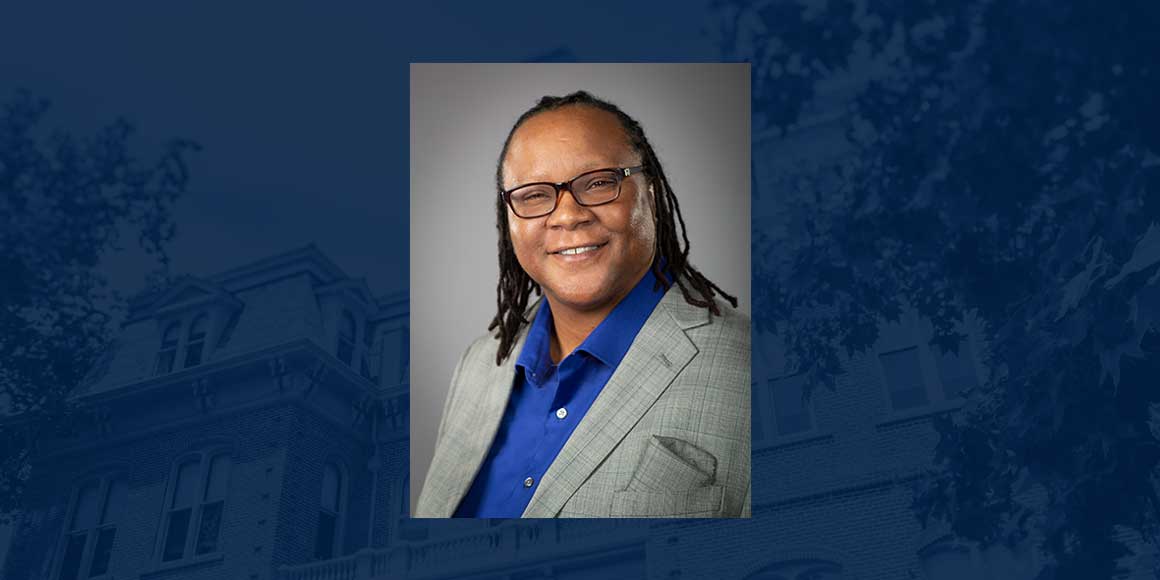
698 502
669 464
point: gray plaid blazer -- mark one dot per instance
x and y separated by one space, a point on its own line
667 437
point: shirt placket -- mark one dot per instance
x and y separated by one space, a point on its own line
535 465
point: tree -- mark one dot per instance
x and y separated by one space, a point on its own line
1002 165
64 203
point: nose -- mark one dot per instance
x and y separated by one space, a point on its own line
569 214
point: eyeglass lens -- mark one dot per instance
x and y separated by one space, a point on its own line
588 189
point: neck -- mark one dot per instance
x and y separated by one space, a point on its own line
572 325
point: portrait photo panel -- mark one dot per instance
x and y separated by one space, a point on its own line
696 117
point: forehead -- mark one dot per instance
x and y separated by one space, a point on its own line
557 144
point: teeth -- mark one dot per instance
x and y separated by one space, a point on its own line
574 251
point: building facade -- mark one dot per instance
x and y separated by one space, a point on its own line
239 423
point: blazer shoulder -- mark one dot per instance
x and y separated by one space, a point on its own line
483 348
732 318
730 326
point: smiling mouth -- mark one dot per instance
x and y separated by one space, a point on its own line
578 250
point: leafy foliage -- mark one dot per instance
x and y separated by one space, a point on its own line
64 202
1001 163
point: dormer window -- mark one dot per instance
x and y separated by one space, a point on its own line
168 353
187 337
346 335
195 343
193 318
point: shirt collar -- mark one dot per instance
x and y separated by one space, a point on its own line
608 342
535 359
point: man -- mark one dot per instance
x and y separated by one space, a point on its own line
624 391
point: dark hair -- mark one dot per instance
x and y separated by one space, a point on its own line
514 283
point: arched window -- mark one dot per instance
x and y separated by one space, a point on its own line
168 352
194 507
329 513
346 334
195 343
92 528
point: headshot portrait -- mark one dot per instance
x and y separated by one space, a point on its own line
579 250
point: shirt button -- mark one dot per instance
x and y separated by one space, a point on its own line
528 482
561 413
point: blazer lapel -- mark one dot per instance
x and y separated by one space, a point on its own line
659 353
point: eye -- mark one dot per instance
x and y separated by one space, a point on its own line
531 196
600 182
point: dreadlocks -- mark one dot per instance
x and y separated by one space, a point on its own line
515 286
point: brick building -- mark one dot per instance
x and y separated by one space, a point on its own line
238 424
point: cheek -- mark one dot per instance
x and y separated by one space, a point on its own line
640 224
523 241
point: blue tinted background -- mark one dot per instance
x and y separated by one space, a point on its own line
995 158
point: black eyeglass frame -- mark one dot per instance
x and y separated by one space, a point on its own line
621 174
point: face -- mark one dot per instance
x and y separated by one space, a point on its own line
556 146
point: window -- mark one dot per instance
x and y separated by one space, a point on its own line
329 514
88 541
195 343
916 373
168 352
904 382
228 331
957 370
791 411
346 334
919 376
193 511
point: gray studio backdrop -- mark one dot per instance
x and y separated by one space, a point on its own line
695 115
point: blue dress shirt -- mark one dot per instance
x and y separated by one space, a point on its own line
548 401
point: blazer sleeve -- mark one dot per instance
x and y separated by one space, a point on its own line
448 404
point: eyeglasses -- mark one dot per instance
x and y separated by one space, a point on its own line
533 200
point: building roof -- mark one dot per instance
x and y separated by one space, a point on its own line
250 307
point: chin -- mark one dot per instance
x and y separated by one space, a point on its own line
586 298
